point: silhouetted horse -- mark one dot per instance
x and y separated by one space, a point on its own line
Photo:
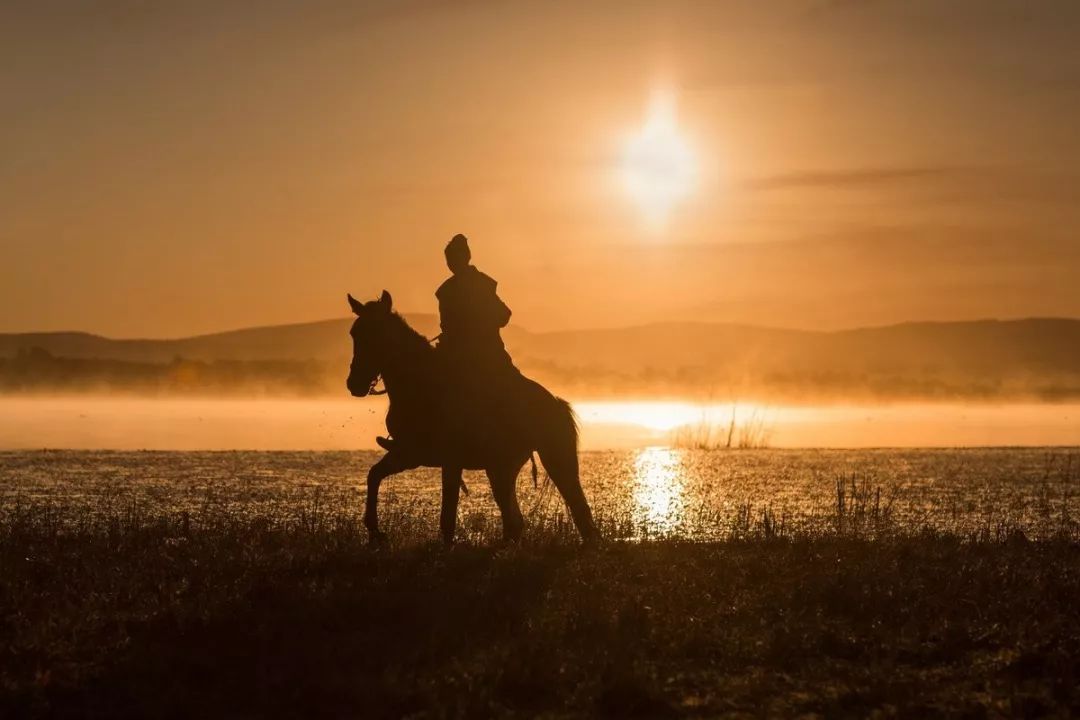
430 431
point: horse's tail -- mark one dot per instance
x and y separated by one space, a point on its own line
561 429
573 428
558 448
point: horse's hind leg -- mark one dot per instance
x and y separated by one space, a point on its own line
451 489
561 463
504 488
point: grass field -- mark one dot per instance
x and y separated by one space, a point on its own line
287 612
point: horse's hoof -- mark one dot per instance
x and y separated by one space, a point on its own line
592 540
377 538
448 540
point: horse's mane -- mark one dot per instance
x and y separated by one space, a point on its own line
409 335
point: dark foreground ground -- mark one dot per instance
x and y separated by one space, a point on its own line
134 616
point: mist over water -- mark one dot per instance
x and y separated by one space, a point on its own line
132 423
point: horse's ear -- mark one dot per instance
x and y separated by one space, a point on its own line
386 301
355 304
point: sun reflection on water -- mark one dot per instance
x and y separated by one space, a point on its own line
659 495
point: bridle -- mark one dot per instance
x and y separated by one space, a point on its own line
373 387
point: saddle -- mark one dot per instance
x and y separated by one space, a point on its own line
476 398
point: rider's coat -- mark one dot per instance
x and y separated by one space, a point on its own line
471 315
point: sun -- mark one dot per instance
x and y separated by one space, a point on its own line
658 167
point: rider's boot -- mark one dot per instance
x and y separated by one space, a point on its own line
385 443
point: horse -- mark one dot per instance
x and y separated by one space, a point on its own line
423 417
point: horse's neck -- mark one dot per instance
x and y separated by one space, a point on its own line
410 373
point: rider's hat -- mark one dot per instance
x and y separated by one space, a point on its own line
458 245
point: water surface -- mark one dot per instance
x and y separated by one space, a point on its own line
655 491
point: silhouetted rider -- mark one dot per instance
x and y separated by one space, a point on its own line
471 314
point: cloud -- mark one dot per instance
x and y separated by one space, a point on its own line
856 178
1052 195
827 6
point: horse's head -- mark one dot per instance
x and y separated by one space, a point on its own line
369 335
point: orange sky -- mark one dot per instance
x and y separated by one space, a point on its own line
175 168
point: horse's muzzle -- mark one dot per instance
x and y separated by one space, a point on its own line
357 389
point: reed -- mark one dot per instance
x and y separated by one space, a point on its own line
281 609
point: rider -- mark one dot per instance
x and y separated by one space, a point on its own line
471 314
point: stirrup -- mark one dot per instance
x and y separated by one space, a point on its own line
385 443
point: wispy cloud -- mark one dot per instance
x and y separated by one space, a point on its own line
856 178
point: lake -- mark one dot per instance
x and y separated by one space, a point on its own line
643 467
636 494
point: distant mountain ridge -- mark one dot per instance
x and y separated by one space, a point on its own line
320 340
984 356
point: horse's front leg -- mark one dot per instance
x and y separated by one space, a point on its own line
387 466
451 491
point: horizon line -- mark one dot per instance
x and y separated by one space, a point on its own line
590 329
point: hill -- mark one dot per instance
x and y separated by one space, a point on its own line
1036 357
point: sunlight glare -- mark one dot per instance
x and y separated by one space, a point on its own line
658 166
660 416
667 415
658 490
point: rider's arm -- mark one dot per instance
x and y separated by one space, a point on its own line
447 321
500 312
